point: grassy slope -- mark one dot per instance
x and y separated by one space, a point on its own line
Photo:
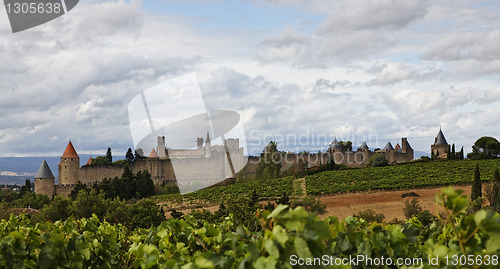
264 188
402 176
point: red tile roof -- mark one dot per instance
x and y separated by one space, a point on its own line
153 154
70 152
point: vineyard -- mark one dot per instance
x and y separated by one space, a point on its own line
265 188
401 176
287 238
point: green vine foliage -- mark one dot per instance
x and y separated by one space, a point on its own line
286 236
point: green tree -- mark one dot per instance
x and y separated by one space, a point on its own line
269 166
129 156
109 156
254 199
485 148
25 188
58 209
118 211
378 160
494 196
88 203
79 186
145 213
144 183
126 187
345 145
476 190
330 164
32 200
101 161
453 153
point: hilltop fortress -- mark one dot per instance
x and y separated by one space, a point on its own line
210 159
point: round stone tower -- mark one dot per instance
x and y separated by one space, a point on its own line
69 166
44 180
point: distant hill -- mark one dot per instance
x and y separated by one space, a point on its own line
418 154
15 170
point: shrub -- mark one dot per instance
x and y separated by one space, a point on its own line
370 215
311 204
413 209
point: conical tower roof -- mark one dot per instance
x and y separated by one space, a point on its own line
363 146
44 171
335 144
388 146
89 162
70 152
440 140
153 154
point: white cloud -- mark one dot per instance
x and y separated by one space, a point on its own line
387 68
395 72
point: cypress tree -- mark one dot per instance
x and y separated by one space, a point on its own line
476 187
109 156
462 153
453 154
495 201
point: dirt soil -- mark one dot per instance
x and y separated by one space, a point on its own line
389 203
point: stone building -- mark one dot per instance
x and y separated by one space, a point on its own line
440 147
362 156
212 164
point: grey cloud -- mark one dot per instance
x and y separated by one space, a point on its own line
374 15
393 72
460 46
324 50
110 18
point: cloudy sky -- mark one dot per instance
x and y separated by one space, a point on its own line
300 72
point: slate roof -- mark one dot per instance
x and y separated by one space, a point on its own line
408 147
44 171
70 152
363 146
335 144
440 139
388 146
